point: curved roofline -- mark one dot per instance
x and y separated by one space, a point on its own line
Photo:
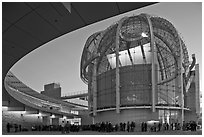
140 107
98 50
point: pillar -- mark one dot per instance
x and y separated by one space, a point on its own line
153 61
94 87
181 81
197 89
55 121
46 120
117 72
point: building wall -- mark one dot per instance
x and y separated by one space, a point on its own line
52 90
85 118
137 115
55 121
191 103
190 116
51 86
46 120
15 117
135 86
190 97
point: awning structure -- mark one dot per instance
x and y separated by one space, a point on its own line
28 25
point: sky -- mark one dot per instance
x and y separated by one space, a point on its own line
59 60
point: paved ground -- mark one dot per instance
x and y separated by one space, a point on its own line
104 133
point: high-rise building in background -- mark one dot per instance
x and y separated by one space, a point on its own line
52 90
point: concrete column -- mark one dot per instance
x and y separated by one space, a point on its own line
117 72
117 75
55 121
181 81
46 120
94 85
197 89
90 88
153 56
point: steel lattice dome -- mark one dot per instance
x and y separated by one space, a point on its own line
135 32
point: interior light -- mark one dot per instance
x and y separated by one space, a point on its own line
64 117
53 116
4 108
144 35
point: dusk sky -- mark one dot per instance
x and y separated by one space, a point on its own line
59 59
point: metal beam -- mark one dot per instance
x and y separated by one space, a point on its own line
153 61
160 63
143 54
117 73
181 80
128 49
67 5
94 84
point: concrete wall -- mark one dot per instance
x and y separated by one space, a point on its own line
85 118
137 115
46 120
53 93
51 86
190 116
191 103
190 97
55 121
52 90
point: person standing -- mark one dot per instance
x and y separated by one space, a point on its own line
116 127
20 128
128 126
67 127
8 127
142 127
145 126
63 127
132 126
16 127
159 126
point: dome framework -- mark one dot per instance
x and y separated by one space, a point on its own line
144 46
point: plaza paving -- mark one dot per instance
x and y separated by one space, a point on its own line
105 133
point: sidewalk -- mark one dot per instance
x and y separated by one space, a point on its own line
105 133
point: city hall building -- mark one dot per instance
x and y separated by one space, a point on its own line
138 69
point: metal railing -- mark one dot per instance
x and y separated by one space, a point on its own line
77 93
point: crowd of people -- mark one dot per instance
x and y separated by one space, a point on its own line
191 125
143 127
66 127
16 127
